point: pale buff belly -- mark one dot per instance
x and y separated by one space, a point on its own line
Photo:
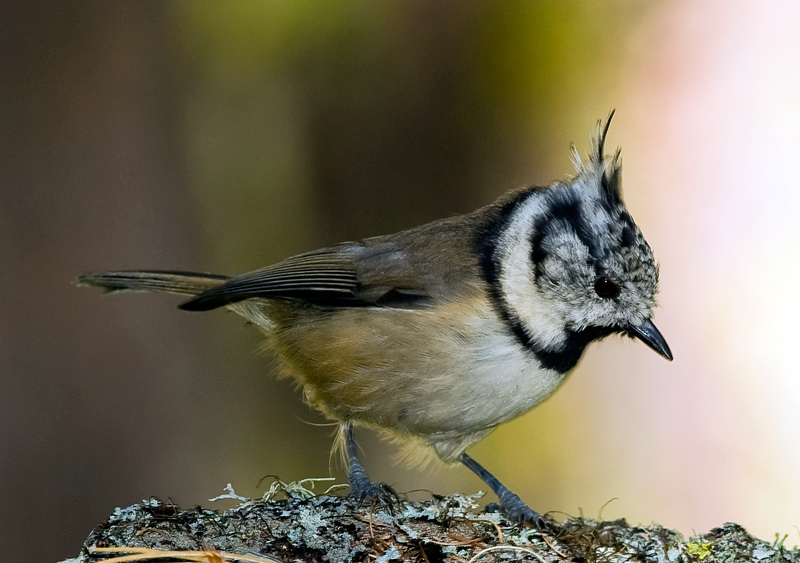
443 375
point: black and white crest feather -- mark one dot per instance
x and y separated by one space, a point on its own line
609 169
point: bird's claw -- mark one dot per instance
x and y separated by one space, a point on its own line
512 507
375 493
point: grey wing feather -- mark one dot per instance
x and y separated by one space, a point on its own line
346 275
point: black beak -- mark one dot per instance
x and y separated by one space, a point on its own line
648 333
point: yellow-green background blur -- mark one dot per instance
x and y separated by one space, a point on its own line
224 136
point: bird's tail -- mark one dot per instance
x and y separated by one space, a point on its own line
182 283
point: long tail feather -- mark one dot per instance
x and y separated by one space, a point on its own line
182 283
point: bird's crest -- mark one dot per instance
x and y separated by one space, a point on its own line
608 169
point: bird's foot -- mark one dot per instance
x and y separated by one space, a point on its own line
512 507
510 503
364 490
361 487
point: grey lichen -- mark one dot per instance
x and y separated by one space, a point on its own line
339 529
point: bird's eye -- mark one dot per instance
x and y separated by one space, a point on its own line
605 287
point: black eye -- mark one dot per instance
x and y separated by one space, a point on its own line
605 287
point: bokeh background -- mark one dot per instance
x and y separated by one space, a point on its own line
225 136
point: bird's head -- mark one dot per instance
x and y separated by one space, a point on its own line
574 267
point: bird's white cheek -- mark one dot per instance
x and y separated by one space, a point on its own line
537 315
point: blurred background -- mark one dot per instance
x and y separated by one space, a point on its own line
226 136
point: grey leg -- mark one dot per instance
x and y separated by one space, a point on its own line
510 503
360 485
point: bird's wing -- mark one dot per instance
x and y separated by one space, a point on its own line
345 275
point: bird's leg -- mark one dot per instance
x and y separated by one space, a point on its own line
510 504
360 485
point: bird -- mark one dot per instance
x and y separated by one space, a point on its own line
438 334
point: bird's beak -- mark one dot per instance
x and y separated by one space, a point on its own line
648 333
